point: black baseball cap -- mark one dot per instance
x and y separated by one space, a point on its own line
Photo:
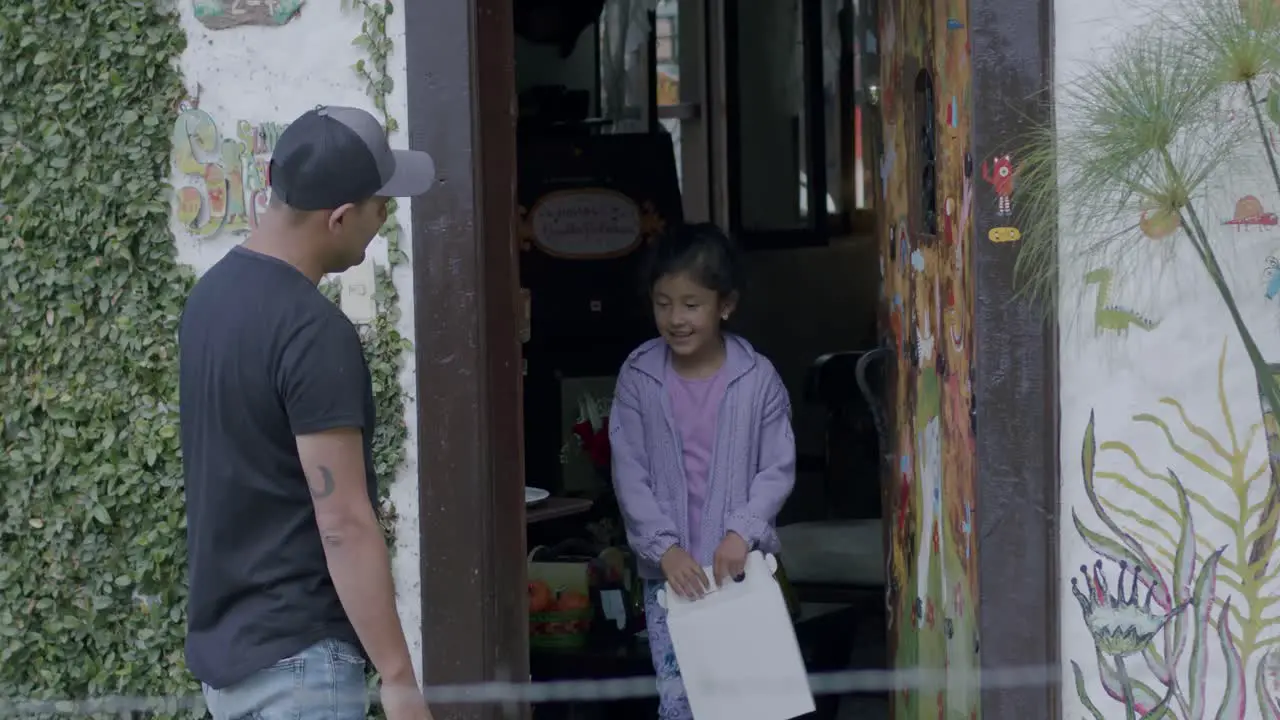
333 155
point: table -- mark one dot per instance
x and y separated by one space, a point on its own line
556 507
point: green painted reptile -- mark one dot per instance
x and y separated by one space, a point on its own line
1113 317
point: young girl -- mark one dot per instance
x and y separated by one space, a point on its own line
703 452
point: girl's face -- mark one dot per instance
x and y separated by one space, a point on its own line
688 315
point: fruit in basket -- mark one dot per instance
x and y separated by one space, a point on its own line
572 600
541 599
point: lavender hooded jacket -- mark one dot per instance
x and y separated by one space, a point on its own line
752 466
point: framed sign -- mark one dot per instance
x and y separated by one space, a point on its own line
586 224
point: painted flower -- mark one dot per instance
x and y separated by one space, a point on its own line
1119 624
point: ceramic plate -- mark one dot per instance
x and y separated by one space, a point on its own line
533 495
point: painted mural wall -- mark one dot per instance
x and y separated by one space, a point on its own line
1170 587
251 66
927 178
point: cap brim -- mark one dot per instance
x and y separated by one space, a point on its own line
415 174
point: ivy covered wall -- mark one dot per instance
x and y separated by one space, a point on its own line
113 122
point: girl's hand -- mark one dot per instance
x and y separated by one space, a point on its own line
684 574
731 558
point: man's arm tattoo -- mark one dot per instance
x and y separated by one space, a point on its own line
327 485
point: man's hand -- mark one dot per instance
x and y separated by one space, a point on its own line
685 576
730 561
402 700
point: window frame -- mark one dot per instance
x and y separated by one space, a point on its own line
670 34
822 226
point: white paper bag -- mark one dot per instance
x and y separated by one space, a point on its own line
737 649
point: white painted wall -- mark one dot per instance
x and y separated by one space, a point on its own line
273 75
1119 378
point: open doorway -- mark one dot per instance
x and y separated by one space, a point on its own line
635 115
934 203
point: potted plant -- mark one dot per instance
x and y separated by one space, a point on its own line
591 431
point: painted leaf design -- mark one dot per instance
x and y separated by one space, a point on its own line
1184 566
1158 668
1145 700
1266 703
1162 711
1137 556
1083 693
1103 545
1202 607
1233 697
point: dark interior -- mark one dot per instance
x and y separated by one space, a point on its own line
607 158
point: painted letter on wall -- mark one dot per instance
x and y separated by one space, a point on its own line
222 184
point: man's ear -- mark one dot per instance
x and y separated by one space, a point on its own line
338 216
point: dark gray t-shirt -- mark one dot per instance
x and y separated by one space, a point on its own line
264 356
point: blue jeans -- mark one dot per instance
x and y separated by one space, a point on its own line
324 682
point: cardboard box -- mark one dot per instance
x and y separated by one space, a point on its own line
560 611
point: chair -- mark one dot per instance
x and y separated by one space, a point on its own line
836 563
840 558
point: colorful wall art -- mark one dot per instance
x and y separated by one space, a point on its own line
927 177
223 14
222 183
1169 595
1176 588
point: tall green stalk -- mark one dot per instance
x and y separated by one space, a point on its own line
1266 378
1262 131
1266 381
1126 685
1195 232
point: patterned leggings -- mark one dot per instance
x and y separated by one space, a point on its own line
673 704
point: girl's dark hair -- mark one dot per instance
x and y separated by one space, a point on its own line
703 251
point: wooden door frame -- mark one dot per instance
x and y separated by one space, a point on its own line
471 473
461 92
1015 382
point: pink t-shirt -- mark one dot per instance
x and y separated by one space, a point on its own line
696 407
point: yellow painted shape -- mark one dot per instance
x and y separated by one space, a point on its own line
1004 234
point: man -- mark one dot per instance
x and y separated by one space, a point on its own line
290 577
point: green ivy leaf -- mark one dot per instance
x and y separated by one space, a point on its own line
84 351
92 556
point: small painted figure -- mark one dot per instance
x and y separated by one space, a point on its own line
1000 175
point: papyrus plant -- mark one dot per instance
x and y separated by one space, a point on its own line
1139 137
